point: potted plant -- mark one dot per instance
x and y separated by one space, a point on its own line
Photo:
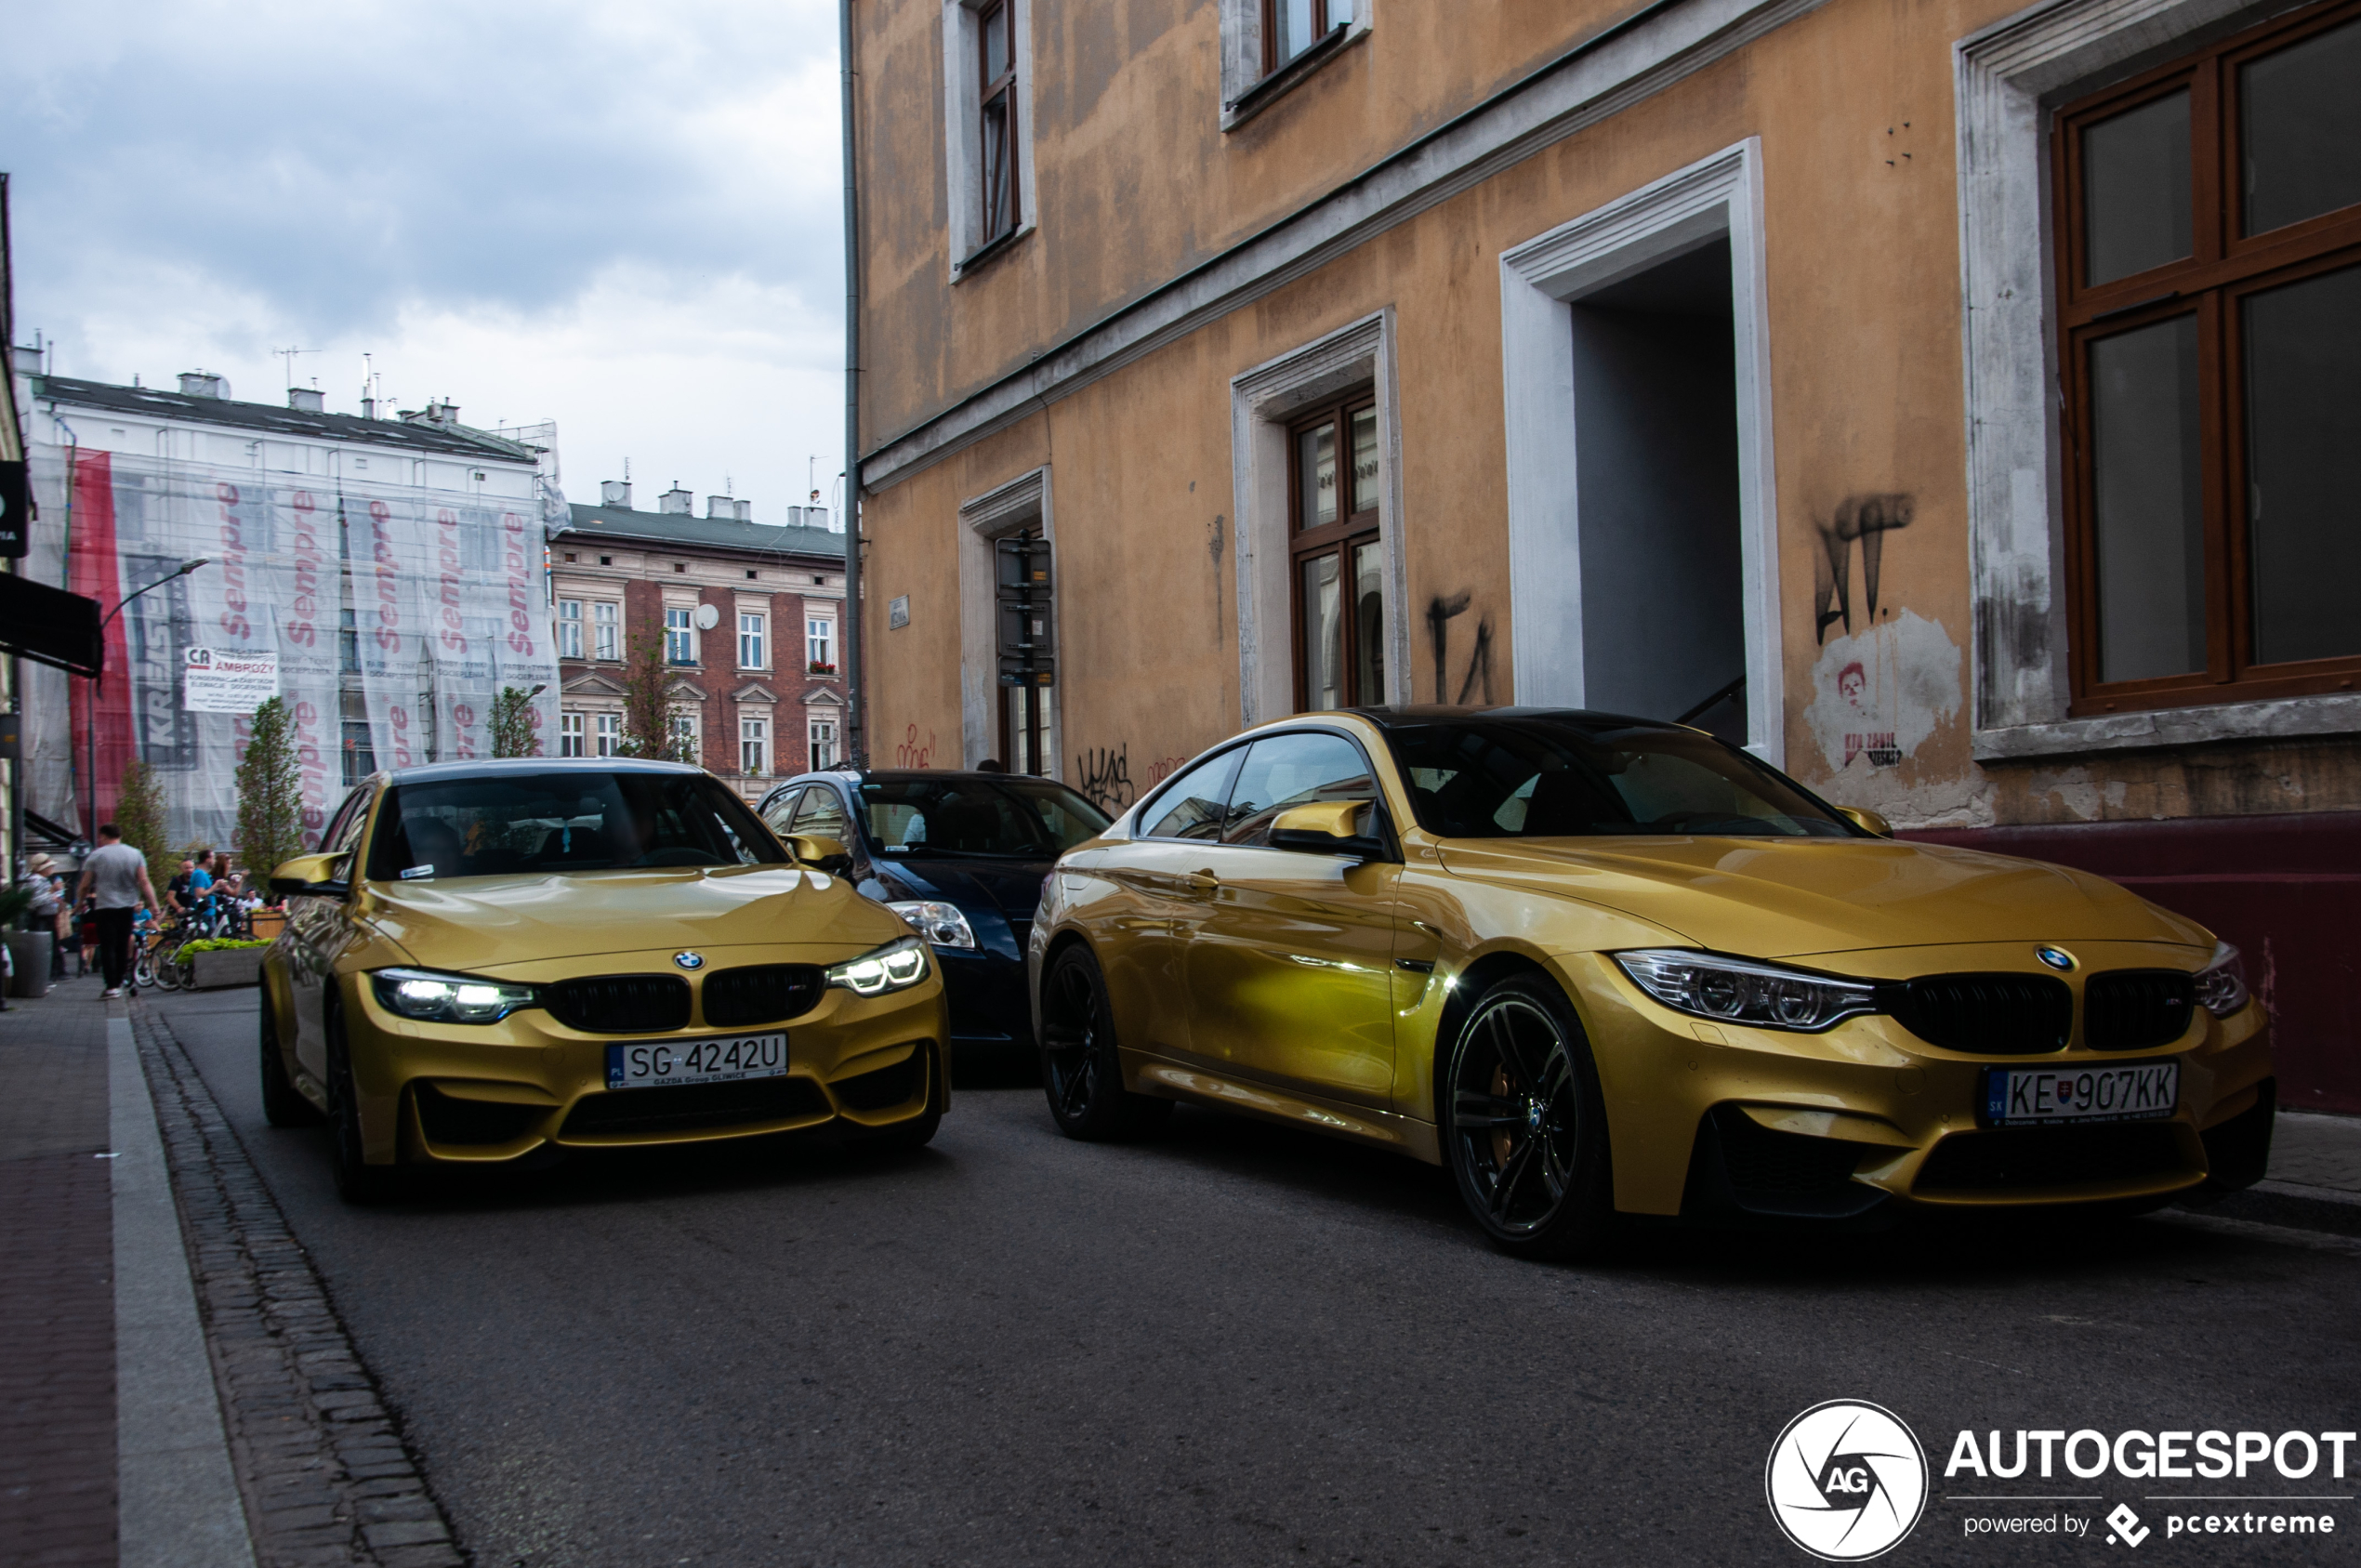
820 668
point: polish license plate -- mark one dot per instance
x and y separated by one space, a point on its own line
646 1064
2137 1091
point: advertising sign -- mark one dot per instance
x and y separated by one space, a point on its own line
228 680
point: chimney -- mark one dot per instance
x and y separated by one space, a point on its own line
720 505
676 501
309 400
27 361
202 384
615 492
815 517
742 510
368 407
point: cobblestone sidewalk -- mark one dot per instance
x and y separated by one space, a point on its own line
320 1459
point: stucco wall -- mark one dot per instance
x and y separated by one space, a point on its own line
1851 105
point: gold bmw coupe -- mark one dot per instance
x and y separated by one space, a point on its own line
1598 964
492 960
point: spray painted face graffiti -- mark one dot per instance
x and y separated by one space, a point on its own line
1879 693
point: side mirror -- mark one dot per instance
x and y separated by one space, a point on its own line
819 853
1867 821
311 876
1328 828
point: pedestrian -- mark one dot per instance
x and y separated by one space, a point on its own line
115 879
47 909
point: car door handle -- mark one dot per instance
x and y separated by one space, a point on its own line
1203 882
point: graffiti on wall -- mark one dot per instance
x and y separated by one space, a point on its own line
1104 776
1440 612
1864 520
1883 685
912 751
1213 545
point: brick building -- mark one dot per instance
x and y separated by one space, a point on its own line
749 613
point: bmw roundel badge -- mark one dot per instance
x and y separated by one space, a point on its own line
689 960
2056 958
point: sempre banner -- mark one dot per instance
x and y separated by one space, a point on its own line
447 595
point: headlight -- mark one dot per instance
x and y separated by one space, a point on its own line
2221 984
941 924
1741 991
449 998
895 966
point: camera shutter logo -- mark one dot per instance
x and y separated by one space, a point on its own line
1846 1481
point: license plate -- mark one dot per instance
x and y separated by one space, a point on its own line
2135 1092
661 1063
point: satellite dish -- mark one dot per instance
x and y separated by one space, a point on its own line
707 617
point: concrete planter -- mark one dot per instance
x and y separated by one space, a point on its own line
29 952
239 965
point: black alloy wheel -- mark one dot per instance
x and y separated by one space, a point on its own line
357 1180
1525 1127
282 1104
1079 1068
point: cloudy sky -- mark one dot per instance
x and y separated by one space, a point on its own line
624 217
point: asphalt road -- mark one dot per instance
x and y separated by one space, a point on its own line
1235 1345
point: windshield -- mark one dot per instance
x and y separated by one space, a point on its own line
1011 818
1571 775
563 820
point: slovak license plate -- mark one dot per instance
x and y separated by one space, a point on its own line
2140 1091
646 1064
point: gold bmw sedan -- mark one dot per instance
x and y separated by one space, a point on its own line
1598 964
493 960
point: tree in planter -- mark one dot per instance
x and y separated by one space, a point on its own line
513 730
139 810
270 792
647 703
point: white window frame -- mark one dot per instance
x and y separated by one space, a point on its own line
1540 280
607 735
754 740
685 723
820 744
606 627
572 738
2009 79
1023 503
1261 400
962 106
756 626
570 642
1242 56
685 633
819 640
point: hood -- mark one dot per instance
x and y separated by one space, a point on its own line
1010 887
478 922
1777 898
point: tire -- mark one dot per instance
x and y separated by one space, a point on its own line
358 1181
282 1106
1080 1070
1525 1127
166 972
143 969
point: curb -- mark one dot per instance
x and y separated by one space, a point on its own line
2285 1203
320 1459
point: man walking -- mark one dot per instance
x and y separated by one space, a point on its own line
116 876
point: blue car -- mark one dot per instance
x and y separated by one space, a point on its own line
961 856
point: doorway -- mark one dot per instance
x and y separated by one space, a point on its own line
1655 403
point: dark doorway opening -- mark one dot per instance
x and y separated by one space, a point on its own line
1656 465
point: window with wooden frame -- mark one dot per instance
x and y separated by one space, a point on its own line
2209 283
997 125
1334 558
1289 27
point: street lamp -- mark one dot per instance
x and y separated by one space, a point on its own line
90 737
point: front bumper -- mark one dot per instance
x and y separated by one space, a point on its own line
1705 1118
474 1094
986 995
